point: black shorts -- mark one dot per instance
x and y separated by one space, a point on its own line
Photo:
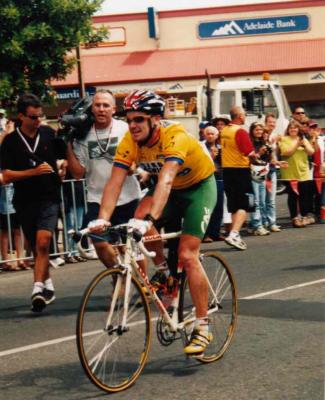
121 215
238 188
41 215
14 222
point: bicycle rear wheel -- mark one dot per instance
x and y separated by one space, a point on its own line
112 357
222 306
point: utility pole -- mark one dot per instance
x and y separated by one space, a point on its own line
81 82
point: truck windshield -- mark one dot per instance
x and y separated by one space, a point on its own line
227 100
259 102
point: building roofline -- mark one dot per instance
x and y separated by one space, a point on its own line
211 10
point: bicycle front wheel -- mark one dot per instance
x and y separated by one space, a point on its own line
112 354
222 306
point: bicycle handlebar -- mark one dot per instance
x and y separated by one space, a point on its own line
78 235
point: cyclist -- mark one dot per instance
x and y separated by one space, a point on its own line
185 189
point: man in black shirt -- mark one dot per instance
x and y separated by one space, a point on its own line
29 159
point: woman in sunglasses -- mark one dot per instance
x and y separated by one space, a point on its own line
185 190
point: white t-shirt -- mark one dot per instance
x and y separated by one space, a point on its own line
97 159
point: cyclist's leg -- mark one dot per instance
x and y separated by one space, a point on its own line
199 201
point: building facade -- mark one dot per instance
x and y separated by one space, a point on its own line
174 49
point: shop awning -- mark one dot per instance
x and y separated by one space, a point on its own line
243 59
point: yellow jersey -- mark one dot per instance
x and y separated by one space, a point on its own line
174 144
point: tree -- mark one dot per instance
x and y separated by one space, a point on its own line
37 39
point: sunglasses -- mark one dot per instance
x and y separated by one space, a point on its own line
138 120
300 112
34 117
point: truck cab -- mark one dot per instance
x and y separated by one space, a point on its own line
257 97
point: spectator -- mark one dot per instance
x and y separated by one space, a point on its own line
270 200
316 140
3 120
9 223
260 169
220 122
295 149
202 126
28 158
236 148
74 209
298 114
212 233
92 157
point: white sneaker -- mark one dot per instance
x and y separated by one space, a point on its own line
57 262
92 255
261 231
275 228
236 241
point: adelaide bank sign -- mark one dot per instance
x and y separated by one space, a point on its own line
253 26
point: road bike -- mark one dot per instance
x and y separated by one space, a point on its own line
114 323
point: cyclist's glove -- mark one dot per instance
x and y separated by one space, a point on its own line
139 225
98 225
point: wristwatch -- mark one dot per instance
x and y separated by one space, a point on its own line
150 218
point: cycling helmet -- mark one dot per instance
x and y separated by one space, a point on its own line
259 172
144 101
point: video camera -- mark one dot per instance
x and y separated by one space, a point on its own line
77 121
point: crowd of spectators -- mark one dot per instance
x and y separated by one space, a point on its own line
246 179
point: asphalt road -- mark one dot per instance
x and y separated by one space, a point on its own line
277 352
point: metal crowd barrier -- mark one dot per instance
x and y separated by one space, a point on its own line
72 209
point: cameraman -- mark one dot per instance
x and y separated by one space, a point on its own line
92 157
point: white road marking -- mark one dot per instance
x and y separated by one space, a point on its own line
263 294
73 337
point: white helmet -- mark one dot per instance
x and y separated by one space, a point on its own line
259 172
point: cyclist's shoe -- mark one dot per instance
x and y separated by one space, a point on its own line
49 296
38 302
198 342
159 282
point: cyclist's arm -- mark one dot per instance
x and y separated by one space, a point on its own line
163 187
112 192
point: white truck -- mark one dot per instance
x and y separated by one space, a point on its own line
257 97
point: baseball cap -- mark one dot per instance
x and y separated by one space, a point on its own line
203 124
312 122
2 111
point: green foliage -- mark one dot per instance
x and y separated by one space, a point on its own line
37 42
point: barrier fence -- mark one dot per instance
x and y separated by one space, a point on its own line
72 210
73 206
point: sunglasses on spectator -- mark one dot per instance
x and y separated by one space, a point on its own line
34 117
137 120
300 112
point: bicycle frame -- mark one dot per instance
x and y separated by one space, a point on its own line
127 261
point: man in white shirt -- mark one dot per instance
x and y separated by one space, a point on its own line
92 158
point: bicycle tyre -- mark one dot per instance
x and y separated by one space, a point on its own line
222 315
111 358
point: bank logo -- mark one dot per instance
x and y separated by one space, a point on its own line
229 29
254 26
